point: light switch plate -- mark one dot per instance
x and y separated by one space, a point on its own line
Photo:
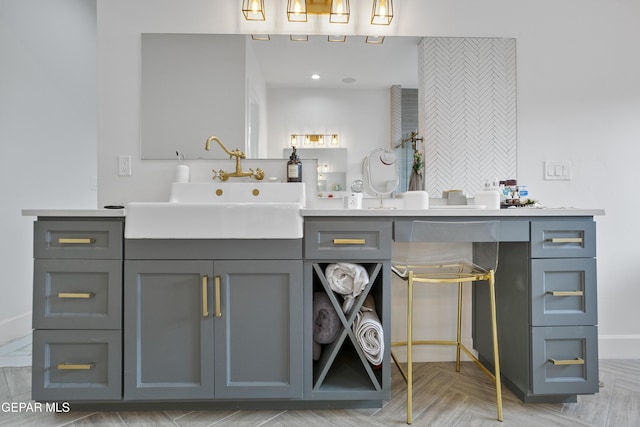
557 170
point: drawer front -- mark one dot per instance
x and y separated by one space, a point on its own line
347 240
77 365
78 239
77 294
563 292
563 239
564 360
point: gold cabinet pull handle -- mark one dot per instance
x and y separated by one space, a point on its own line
566 240
75 366
566 293
76 295
75 241
205 302
349 241
217 290
576 361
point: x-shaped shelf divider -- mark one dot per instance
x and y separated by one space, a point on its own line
329 354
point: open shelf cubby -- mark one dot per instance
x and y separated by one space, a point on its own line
342 365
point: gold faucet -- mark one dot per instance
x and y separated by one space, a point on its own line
257 174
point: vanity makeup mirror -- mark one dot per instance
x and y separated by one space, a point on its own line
380 173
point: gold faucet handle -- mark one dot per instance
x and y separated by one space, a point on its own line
258 174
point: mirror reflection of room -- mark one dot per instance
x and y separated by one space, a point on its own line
270 94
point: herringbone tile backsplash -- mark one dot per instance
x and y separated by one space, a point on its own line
467 111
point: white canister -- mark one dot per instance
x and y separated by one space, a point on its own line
352 201
182 174
488 198
414 199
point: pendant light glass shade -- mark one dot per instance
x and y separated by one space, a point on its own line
339 12
253 10
382 12
297 11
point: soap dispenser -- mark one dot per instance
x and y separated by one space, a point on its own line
294 168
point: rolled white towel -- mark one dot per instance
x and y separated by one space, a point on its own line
347 279
369 333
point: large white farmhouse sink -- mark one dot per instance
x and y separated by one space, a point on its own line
220 210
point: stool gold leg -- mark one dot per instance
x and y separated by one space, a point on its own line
459 333
496 355
410 348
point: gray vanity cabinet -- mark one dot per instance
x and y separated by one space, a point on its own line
204 329
77 309
564 338
342 371
546 295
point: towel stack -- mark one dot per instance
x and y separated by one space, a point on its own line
326 323
368 331
347 279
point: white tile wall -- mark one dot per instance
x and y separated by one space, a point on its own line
467 111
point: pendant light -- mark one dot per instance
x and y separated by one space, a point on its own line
340 12
253 10
297 11
382 12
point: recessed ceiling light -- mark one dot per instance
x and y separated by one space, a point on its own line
348 80
315 76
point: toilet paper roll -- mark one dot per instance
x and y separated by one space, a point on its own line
182 174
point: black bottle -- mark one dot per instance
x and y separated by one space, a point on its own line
294 168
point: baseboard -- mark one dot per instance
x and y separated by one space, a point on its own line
15 327
619 346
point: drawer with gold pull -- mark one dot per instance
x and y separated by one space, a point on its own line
77 294
564 360
77 365
563 291
78 239
563 239
336 239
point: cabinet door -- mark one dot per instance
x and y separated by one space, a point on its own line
259 329
168 344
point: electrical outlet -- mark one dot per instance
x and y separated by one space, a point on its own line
124 165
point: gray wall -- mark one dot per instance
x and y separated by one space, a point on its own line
47 132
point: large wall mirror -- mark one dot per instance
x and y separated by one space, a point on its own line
254 94
196 85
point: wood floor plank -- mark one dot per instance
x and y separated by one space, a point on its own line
146 418
625 404
102 419
442 397
202 418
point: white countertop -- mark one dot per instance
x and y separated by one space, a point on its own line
74 212
433 212
453 212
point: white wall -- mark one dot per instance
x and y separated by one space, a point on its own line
47 132
578 100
